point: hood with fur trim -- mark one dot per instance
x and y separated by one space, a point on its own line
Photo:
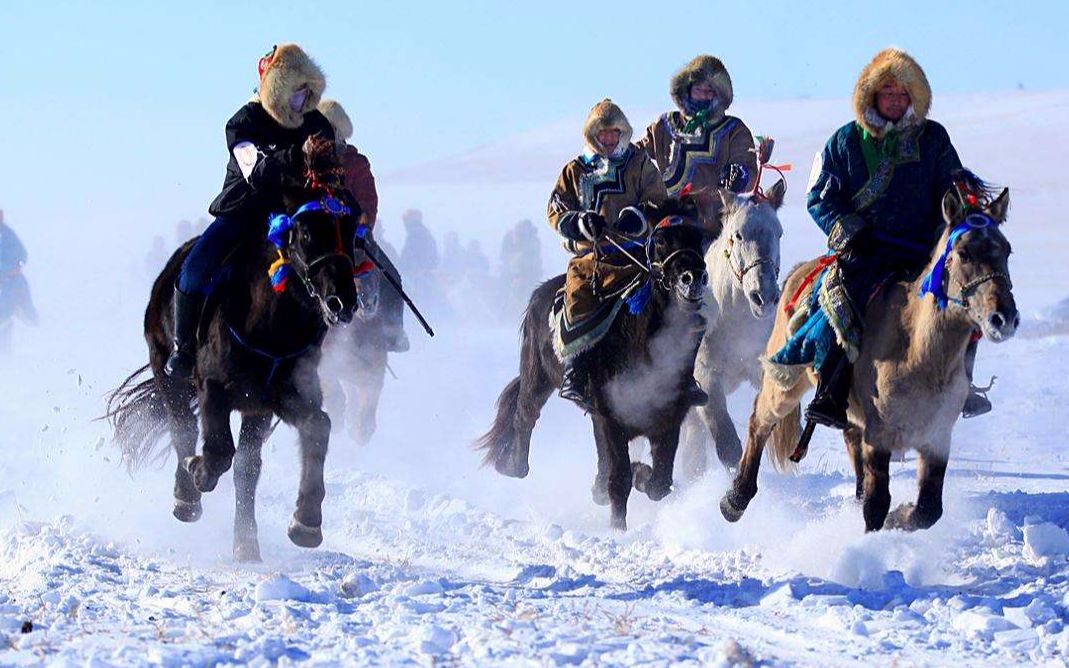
606 114
897 65
289 69
702 68
335 113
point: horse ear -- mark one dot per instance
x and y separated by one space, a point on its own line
776 194
1000 207
952 206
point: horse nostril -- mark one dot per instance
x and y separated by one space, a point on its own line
705 278
686 278
996 320
334 304
756 298
1016 320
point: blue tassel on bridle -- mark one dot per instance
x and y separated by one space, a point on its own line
933 282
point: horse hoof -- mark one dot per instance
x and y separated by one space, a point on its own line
657 492
187 511
304 535
640 476
247 552
729 509
618 523
600 492
901 518
511 468
203 479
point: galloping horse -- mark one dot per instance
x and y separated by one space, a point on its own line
258 353
909 382
743 277
354 367
657 340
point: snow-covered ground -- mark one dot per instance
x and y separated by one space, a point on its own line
429 559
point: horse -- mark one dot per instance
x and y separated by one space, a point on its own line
354 368
909 380
15 302
258 353
744 265
639 372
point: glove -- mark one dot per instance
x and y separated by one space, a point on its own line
848 233
632 222
583 226
734 177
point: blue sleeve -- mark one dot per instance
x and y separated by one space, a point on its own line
827 199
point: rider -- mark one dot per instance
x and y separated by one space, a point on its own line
265 140
700 144
876 190
599 191
360 183
14 289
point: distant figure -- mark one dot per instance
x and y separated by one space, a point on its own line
421 263
454 260
14 289
521 267
183 232
157 257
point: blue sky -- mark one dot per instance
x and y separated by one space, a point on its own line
96 93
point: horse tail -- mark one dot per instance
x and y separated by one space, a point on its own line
785 439
499 440
138 416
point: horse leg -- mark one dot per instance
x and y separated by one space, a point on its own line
218 451
744 486
618 458
313 429
334 399
721 428
600 489
246 474
664 446
183 425
370 389
852 438
931 471
693 460
876 495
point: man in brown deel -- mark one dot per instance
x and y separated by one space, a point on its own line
600 190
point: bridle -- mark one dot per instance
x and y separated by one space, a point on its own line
282 230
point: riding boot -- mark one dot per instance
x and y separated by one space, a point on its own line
187 309
575 382
828 407
977 402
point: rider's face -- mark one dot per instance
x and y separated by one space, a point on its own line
892 101
703 92
609 138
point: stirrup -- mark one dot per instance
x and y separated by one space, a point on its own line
977 403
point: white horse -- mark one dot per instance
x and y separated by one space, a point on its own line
744 285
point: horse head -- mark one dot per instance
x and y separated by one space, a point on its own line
316 237
973 255
675 250
748 247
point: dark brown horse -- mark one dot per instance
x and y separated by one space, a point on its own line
258 354
639 374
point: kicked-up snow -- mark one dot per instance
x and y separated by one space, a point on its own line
429 559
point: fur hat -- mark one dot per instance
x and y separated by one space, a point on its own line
282 72
339 120
702 68
891 65
605 115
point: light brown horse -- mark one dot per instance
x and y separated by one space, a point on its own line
909 381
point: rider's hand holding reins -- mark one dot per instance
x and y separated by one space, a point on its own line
632 222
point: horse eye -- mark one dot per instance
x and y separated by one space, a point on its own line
738 235
964 255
